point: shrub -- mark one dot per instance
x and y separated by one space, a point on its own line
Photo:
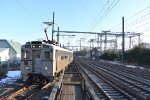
2 71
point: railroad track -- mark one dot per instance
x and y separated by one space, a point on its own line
140 80
144 73
100 88
30 91
19 94
111 84
126 74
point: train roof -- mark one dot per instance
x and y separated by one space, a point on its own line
52 45
59 48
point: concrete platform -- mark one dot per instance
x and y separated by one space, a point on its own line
72 92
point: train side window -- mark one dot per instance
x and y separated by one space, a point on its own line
62 57
66 57
47 54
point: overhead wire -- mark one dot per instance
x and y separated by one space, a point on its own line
99 13
145 29
138 23
101 10
147 36
85 8
139 26
97 20
116 26
127 23
139 20
137 13
26 11
106 13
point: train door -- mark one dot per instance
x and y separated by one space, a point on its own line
36 60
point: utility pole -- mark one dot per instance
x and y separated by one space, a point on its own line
81 39
92 41
116 44
90 50
53 26
58 35
68 45
98 40
101 43
122 40
80 44
105 43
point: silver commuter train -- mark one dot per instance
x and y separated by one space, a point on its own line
43 59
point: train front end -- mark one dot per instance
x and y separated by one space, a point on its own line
36 60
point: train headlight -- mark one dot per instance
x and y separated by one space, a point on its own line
45 68
33 46
27 67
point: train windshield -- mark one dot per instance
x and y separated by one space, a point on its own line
37 53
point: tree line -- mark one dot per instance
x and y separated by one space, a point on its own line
138 55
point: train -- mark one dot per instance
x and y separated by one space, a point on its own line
42 59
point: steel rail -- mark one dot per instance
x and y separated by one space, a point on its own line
114 79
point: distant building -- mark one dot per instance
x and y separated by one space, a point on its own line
10 52
4 55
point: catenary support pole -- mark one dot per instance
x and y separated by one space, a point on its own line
53 26
58 36
123 40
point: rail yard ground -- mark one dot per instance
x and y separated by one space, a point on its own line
86 80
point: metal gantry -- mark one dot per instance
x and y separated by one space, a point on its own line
100 36
105 35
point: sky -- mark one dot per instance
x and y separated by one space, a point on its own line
22 20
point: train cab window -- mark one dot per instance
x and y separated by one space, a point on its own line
26 55
47 54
